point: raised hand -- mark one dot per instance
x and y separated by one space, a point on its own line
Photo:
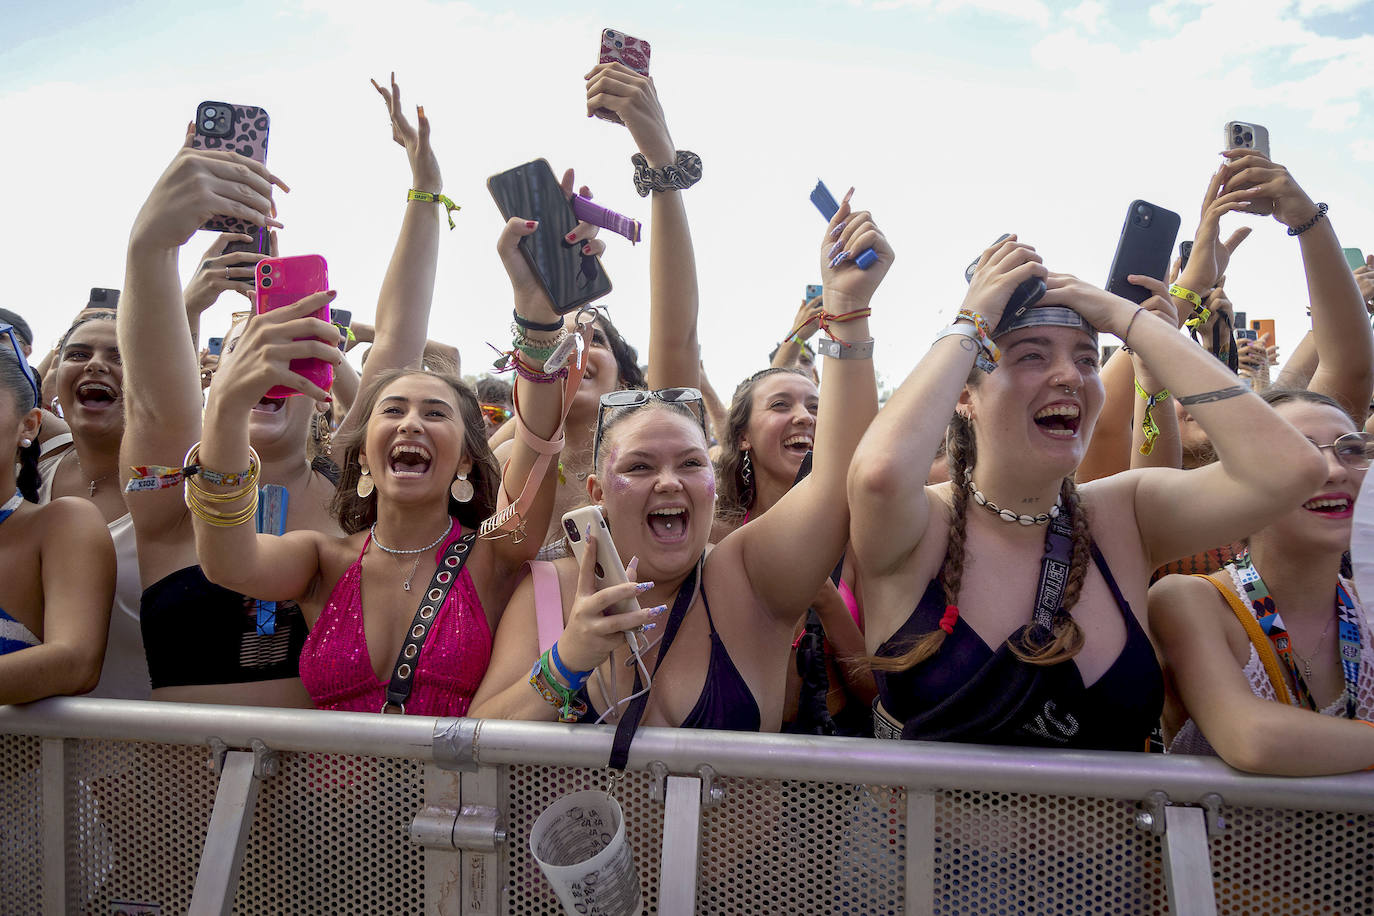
631 99
199 185
530 299
1211 256
221 271
424 166
592 633
1254 184
262 356
846 286
1002 267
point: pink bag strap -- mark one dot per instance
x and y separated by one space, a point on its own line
548 603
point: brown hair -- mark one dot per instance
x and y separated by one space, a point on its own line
735 494
355 513
1067 636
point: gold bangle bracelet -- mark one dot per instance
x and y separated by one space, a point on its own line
221 519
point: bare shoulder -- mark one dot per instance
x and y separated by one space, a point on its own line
68 516
1190 608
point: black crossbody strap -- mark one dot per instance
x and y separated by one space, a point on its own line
1054 570
625 729
408 659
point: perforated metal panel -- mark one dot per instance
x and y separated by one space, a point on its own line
530 789
136 821
21 824
330 835
1010 854
1293 862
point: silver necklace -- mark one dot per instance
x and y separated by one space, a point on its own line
97 480
398 552
1007 515
1307 662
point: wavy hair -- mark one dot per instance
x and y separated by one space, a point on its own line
735 494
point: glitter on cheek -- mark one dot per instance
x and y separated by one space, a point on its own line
711 487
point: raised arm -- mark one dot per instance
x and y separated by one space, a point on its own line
218 272
1189 618
788 551
673 301
161 370
887 479
803 328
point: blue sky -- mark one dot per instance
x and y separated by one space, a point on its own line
956 119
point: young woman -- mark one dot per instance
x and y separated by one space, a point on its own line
1028 592
720 661
1306 616
418 478
53 624
247 651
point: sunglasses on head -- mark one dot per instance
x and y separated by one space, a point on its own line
1354 450
638 397
8 331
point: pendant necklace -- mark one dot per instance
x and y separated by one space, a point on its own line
417 552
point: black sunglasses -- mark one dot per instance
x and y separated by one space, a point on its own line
638 397
8 330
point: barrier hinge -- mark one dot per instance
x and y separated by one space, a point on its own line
474 828
1153 820
712 792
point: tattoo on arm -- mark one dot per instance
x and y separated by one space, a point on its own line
1209 397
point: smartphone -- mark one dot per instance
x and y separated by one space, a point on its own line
825 202
1023 297
238 129
103 299
813 291
1185 251
1354 257
343 320
1147 241
1243 135
1262 326
617 47
261 243
284 281
214 346
1243 329
609 570
570 278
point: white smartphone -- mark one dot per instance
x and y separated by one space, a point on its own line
609 570
1243 135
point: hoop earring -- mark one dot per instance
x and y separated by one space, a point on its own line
460 489
365 484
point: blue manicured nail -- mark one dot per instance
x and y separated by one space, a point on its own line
834 249
835 233
840 259
643 586
647 627
655 611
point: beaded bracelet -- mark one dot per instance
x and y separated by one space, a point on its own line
1148 425
534 375
431 198
1321 212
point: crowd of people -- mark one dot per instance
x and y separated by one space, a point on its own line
1023 546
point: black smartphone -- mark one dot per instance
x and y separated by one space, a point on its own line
261 244
343 320
1185 251
215 345
1147 241
103 299
1026 294
570 278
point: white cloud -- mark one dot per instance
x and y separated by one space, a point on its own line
1087 14
1362 150
1032 11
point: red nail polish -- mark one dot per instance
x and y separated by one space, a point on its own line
586 249
572 236
530 224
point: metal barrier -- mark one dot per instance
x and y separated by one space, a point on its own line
116 807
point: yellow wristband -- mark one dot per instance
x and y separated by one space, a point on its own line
429 198
1148 425
1188 294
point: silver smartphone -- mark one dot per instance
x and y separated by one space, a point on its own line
609 570
1244 135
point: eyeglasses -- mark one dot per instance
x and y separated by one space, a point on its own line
638 397
1354 450
8 330
496 413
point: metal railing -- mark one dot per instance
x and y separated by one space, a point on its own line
124 807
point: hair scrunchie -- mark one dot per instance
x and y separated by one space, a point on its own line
948 620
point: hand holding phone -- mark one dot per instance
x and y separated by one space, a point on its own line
1146 242
241 129
825 202
608 569
286 281
1244 135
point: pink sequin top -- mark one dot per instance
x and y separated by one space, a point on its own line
336 667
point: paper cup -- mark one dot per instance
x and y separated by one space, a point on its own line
579 843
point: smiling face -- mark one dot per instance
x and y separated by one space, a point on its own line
1043 399
782 424
657 488
1324 521
414 440
90 380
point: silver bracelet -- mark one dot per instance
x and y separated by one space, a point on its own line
965 329
835 349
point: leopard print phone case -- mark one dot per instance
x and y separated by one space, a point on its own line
238 129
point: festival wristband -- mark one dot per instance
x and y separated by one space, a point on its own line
1148 425
575 679
158 477
839 349
964 329
563 699
598 215
427 197
980 324
1184 293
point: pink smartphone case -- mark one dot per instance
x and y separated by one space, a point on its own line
628 50
289 281
251 126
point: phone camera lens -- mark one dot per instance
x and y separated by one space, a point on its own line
209 125
571 527
1142 210
209 112
1249 137
265 269
619 44
266 282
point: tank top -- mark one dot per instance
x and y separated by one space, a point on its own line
970 692
337 670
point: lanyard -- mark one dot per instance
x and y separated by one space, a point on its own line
8 508
1054 571
1257 593
271 519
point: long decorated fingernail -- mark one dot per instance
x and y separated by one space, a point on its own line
655 611
835 233
588 532
647 627
840 259
834 249
643 586
633 565
586 249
